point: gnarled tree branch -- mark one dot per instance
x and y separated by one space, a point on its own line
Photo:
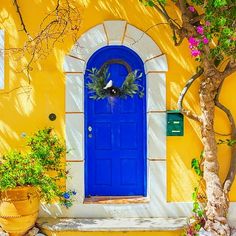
232 169
230 67
188 113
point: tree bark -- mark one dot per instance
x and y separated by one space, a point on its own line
217 204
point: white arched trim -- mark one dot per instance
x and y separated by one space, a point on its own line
120 33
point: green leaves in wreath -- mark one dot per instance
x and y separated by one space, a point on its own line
130 86
100 78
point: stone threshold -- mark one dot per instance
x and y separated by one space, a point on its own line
111 224
116 200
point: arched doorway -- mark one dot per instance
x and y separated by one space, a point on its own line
115 131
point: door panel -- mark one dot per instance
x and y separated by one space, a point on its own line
115 132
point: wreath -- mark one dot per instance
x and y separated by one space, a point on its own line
101 86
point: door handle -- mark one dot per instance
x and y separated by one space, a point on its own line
90 130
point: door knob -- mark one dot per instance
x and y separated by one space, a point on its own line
90 128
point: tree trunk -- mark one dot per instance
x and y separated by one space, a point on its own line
217 201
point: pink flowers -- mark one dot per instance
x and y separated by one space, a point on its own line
208 23
205 40
197 42
191 8
193 42
200 30
195 52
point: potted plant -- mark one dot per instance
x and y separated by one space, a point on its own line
26 178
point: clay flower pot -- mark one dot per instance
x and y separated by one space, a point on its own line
19 209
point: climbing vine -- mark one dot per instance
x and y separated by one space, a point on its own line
197 221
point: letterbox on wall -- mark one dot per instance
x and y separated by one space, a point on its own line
175 123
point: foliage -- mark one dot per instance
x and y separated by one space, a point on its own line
197 221
130 87
42 166
216 29
196 165
229 142
99 79
67 198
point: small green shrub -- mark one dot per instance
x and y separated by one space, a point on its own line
42 166
198 219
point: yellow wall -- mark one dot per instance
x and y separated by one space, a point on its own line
26 109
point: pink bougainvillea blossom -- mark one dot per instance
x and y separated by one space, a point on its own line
208 23
191 8
200 29
193 42
195 52
205 40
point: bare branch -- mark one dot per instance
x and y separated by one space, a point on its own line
19 90
197 18
232 170
21 18
168 18
63 20
188 113
176 28
143 34
230 67
182 6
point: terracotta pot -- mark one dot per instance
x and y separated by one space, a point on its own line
19 209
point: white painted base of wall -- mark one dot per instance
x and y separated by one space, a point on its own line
157 207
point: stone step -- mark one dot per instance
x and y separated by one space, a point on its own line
111 226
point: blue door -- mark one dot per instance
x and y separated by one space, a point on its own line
115 132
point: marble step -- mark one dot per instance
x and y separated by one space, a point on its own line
55 226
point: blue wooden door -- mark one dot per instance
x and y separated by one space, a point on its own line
115 132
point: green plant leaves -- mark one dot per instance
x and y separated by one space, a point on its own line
229 142
219 3
195 164
130 87
42 166
99 79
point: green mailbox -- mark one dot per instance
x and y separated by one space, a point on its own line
175 123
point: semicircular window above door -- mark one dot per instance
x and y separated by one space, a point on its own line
116 129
